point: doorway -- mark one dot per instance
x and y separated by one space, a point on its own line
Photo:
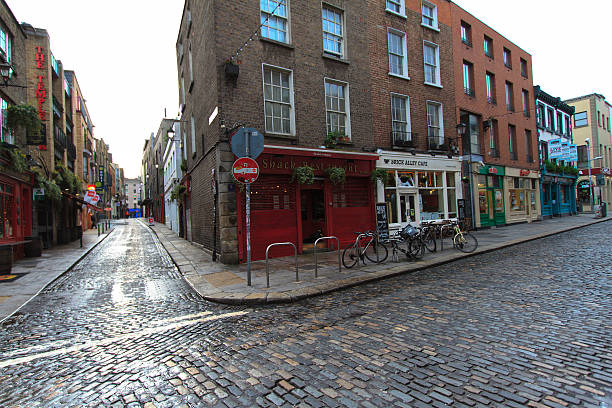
407 208
491 200
312 202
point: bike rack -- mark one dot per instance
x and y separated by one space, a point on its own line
268 266
315 254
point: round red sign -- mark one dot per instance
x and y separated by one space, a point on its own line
245 170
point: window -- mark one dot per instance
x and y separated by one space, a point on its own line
183 88
398 65
523 68
528 145
274 20
567 126
560 123
431 56
550 119
5 134
509 96
474 132
435 131
583 158
526 107
278 100
488 47
429 13
337 107
400 119
466 33
490 81
6 44
598 118
512 141
190 68
468 78
396 6
333 42
507 58
493 140
7 210
541 119
193 133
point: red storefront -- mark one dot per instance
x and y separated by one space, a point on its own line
284 211
15 210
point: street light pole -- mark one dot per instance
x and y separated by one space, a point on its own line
588 144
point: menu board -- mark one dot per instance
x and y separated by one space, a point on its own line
382 221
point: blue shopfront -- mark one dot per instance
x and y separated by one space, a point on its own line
558 194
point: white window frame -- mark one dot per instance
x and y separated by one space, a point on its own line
436 48
347 105
183 88
263 14
5 134
6 44
332 35
404 51
440 119
400 4
190 56
427 4
407 112
193 135
291 103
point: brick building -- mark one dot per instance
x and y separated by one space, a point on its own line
494 99
303 75
413 103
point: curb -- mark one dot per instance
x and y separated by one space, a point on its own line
263 298
60 275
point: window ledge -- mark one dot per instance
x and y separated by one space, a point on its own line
334 58
280 136
282 44
436 29
406 77
395 13
434 85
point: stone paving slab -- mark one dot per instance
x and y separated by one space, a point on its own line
197 266
41 271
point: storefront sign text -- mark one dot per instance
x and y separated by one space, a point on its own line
524 172
492 170
41 91
289 164
407 163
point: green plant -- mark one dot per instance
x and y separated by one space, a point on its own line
184 165
331 140
65 179
18 160
380 174
23 116
303 175
570 170
178 192
337 175
52 190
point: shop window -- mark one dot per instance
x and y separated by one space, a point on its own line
391 203
564 195
450 179
406 179
431 202
517 200
7 203
452 202
391 180
350 194
273 193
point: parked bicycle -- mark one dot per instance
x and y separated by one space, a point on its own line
409 241
429 233
462 239
365 246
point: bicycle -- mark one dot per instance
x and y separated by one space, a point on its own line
415 247
429 233
374 250
463 241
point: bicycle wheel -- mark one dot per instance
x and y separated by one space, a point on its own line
416 248
465 242
430 240
377 252
350 256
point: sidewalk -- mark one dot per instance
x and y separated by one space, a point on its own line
36 273
228 283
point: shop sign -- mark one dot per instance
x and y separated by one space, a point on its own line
245 170
39 194
41 91
565 151
525 172
91 187
555 150
584 184
573 155
100 176
382 221
318 165
491 169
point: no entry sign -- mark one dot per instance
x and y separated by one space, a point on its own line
245 170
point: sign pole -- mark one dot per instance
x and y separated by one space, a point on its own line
248 231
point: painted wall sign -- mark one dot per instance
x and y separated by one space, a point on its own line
524 172
555 150
573 152
41 91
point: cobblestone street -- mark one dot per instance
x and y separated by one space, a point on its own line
528 325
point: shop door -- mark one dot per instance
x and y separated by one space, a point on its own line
491 202
486 207
407 208
313 214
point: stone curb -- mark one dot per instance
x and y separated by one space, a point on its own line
290 296
61 274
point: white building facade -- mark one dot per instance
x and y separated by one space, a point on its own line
172 177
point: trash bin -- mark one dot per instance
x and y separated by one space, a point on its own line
33 248
604 209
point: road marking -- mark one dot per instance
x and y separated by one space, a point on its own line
105 342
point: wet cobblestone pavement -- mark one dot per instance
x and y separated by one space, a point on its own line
528 325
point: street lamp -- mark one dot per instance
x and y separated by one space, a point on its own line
6 72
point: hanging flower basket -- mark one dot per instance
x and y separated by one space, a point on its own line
232 70
379 174
336 175
303 175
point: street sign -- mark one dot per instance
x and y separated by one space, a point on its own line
247 142
245 170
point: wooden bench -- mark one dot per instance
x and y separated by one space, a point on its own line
6 255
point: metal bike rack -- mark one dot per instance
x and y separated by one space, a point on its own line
315 254
268 265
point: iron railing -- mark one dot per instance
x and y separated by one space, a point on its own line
402 139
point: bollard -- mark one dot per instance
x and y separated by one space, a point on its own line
98 229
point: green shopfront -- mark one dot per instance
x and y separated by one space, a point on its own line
491 207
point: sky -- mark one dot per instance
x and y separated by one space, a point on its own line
123 54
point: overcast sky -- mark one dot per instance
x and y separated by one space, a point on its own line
123 53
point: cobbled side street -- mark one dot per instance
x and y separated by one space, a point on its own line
529 325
